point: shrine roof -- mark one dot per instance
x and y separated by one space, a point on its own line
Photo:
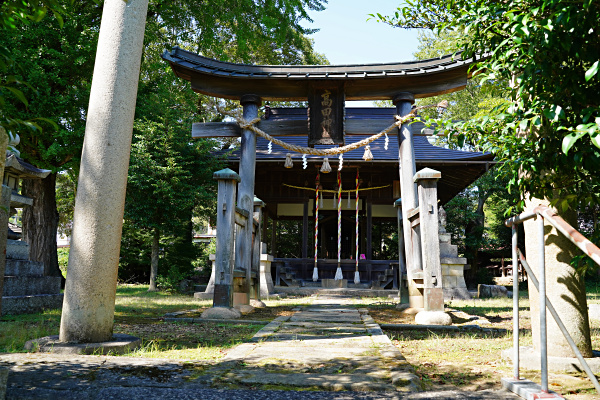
423 78
25 170
424 150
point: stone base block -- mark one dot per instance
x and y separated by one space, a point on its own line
433 318
31 285
24 267
17 250
221 313
204 296
488 291
528 389
120 344
457 293
334 284
14 305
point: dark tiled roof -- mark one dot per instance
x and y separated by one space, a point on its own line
423 78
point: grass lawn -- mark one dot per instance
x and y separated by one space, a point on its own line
140 313
471 360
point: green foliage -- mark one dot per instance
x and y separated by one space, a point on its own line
63 260
66 189
549 134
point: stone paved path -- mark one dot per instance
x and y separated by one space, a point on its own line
327 345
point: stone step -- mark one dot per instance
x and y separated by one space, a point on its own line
13 305
31 285
24 267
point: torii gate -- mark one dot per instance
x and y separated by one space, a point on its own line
326 88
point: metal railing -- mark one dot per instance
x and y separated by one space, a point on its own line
545 213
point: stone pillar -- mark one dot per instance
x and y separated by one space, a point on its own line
430 245
245 195
408 190
565 288
89 302
223 276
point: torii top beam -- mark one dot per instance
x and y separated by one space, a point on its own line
285 82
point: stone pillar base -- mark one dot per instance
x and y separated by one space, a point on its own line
433 318
221 313
334 284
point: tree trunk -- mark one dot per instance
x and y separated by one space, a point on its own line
154 260
40 223
565 288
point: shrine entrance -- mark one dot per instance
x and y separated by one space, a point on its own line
288 157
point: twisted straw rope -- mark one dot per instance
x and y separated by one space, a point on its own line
250 125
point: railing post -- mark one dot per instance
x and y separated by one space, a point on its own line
515 268
223 294
542 294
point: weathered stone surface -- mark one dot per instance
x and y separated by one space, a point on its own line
565 287
17 250
88 310
221 313
325 345
120 344
489 291
433 318
244 309
334 284
257 303
14 305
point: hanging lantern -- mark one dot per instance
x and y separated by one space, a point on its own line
368 156
326 168
288 161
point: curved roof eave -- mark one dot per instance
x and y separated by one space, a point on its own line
423 78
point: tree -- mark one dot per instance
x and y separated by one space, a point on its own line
59 82
548 135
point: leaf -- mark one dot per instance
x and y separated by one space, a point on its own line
590 73
569 141
19 94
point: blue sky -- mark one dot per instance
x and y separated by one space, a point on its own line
346 37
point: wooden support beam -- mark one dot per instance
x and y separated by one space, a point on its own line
368 126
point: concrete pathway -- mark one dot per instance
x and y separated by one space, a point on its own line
325 347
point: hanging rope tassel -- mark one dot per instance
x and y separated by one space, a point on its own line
288 161
349 203
356 274
368 156
326 168
338 272
315 276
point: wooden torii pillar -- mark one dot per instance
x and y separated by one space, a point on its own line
408 191
245 200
